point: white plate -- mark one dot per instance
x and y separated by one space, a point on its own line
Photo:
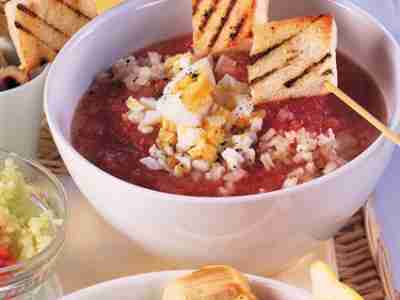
150 286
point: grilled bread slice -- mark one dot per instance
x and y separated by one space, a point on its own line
31 51
3 19
58 15
210 283
220 24
292 58
40 28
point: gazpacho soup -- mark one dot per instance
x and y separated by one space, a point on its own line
168 120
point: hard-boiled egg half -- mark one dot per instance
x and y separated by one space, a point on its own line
188 97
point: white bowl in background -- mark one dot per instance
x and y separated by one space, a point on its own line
150 287
21 113
257 233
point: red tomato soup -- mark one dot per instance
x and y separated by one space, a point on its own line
120 126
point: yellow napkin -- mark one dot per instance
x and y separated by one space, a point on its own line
325 285
103 5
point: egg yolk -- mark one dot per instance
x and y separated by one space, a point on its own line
196 91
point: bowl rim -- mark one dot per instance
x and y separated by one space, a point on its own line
133 5
146 277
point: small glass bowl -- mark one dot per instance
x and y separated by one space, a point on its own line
27 279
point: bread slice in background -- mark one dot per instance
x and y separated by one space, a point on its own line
292 58
210 283
51 36
3 19
40 28
59 15
31 51
221 24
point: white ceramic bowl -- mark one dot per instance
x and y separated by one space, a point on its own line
21 113
150 287
257 233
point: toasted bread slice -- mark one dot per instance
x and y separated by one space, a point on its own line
3 19
292 58
59 15
31 51
49 35
209 283
40 28
219 24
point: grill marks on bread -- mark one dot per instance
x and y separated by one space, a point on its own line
277 33
82 7
49 35
271 72
58 14
222 23
206 10
292 58
194 6
40 28
290 83
218 24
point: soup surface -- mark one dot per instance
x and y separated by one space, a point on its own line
291 142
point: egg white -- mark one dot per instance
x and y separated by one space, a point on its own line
172 109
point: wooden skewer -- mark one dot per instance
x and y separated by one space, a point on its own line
388 133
